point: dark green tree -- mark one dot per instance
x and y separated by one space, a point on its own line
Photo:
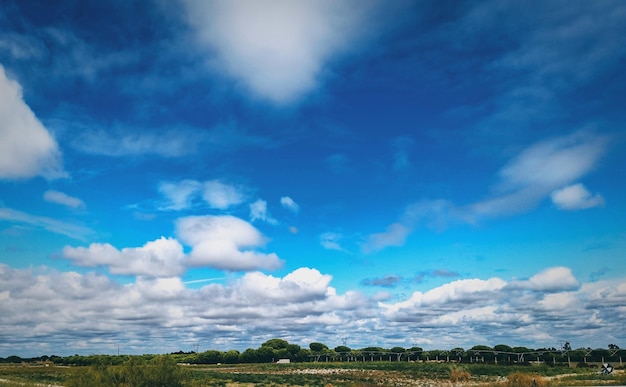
342 348
276 344
318 347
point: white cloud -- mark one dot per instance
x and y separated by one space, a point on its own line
179 195
225 242
27 149
63 199
75 231
119 142
540 169
258 211
163 257
523 183
290 204
303 284
278 49
221 196
331 241
466 292
553 279
42 306
394 235
575 197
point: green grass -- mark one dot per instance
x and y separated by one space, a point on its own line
339 374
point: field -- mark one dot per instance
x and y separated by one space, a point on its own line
353 374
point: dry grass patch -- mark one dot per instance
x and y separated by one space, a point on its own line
522 379
460 376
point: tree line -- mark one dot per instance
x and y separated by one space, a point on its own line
275 349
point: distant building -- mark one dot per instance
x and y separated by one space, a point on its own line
283 361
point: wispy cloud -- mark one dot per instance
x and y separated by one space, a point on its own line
259 211
290 204
56 226
388 281
332 241
27 148
221 195
521 185
217 194
63 199
117 143
401 147
179 195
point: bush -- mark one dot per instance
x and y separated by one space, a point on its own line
522 379
459 376
161 371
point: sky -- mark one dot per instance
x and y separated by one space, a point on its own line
180 175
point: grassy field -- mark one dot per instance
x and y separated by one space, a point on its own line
373 374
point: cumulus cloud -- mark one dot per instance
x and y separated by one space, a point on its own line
259 211
225 242
163 257
27 148
51 307
550 280
575 197
43 306
220 195
63 199
278 49
290 204
467 292
303 284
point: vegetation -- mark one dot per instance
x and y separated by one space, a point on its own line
522 379
318 365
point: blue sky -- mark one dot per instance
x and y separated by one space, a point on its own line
219 173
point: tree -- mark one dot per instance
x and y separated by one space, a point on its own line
481 348
248 356
342 348
209 357
503 348
318 347
265 355
276 343
397 350
231 357
293 349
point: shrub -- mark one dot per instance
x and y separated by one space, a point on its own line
161 371
459 376
522 379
